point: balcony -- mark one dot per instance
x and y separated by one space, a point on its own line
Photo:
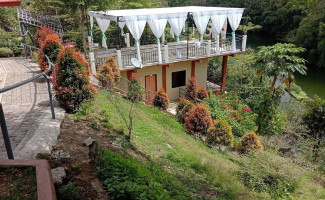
171 52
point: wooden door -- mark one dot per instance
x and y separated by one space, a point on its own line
151 84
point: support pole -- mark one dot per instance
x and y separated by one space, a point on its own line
188 33
224 73
164 82
5 134
193 69
50 95
119 33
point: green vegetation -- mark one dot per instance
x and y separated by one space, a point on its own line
18 183
297 92
5 52
200 169
68 192
127 178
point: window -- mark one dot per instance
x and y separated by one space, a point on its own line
178 79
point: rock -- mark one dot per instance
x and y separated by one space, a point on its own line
58 174
60 155
88 141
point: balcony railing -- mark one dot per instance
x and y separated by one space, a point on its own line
170 53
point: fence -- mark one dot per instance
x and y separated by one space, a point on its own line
44 74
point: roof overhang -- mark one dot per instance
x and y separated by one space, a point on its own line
9 3
144 13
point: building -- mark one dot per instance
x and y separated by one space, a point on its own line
170 65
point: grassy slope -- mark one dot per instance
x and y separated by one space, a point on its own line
200 168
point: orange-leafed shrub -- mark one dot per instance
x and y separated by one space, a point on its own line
72 87
181 104
198 120
249 143
41 34
185 112
201 93
161 99
191 88
220 133
50 47
109 73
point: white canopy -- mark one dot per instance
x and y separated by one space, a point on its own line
135 19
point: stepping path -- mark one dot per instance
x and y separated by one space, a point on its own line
27 110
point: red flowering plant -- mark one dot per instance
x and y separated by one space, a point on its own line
191 89
50 47
72 87
41 34
238 115
161 99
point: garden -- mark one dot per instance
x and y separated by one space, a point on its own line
244 144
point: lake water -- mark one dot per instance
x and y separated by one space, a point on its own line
312 83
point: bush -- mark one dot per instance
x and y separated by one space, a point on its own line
40 35
180 105
161 99
249 142
185 112
108 74
191 89
198 120
201 93
220 133
72 87
50 47
127 178
134 91
68 192
5 52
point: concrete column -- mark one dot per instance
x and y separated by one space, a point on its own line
243 45
209 48
163 38
166 59
119 59
92 63
127 39
90 42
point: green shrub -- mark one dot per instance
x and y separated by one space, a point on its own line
127 178
72 87
279 187
180 105
220 133
161 99
198 120
134 91
108 74
5 52
249 143
68 192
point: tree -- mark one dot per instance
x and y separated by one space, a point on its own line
280 61
314 119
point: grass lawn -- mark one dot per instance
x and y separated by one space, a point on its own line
207 172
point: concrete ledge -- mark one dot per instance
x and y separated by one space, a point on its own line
45 186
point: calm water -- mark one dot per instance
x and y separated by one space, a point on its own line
312 83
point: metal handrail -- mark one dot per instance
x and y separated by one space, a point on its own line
5 89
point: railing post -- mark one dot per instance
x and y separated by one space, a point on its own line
243 46
166 53
163 38
208 49
127 39
92 62
5 134
50 95
119 59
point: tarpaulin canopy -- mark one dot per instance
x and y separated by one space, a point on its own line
135 19
9 3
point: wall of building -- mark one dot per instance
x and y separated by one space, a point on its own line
173 93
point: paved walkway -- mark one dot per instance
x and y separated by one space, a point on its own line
27 110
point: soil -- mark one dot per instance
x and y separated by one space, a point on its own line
18 183
70 141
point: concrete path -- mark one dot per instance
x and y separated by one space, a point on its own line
27 110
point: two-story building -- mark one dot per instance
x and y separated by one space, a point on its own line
170 65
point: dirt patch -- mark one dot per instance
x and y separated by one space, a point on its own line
18 183
78 166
